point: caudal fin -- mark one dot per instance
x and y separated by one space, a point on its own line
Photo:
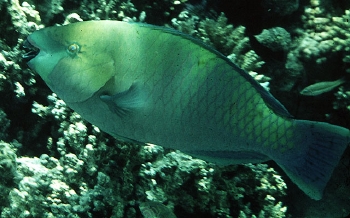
321 147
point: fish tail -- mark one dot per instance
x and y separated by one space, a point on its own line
321 147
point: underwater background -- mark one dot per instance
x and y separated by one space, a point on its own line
55 164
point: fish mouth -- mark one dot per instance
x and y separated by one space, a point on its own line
31 51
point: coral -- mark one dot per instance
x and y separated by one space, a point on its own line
318 52
56 196
8 171
75 183
276 39
325 35
4 125
222 36
319 42
343 38
342 100
23 17
186 23
324 39
219 34
177 172
23 20
7 163
63 190
102 9
128 10
72 18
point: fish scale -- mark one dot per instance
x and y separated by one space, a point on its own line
152 84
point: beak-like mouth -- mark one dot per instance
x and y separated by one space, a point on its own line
31 51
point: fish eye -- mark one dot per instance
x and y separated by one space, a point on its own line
73 48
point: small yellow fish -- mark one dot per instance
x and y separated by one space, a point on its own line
156 85
321 87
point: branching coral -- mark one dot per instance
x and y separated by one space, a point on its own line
325 35
8 171
24 18
207 181
229 40
111 9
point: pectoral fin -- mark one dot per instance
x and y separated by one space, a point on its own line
126 102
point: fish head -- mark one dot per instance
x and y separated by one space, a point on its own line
72 60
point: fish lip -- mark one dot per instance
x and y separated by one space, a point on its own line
32 50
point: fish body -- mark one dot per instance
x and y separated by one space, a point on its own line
156 85
322 87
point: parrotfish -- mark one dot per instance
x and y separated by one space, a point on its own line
156 85
322 87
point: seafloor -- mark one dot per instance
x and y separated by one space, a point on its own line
54 164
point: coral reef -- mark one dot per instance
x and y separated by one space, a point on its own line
176 169
325 34
276 39
321 53
8 170
230 41
103 10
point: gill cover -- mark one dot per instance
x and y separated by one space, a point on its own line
72 60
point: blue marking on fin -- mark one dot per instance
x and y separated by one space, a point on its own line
323 145
126 102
